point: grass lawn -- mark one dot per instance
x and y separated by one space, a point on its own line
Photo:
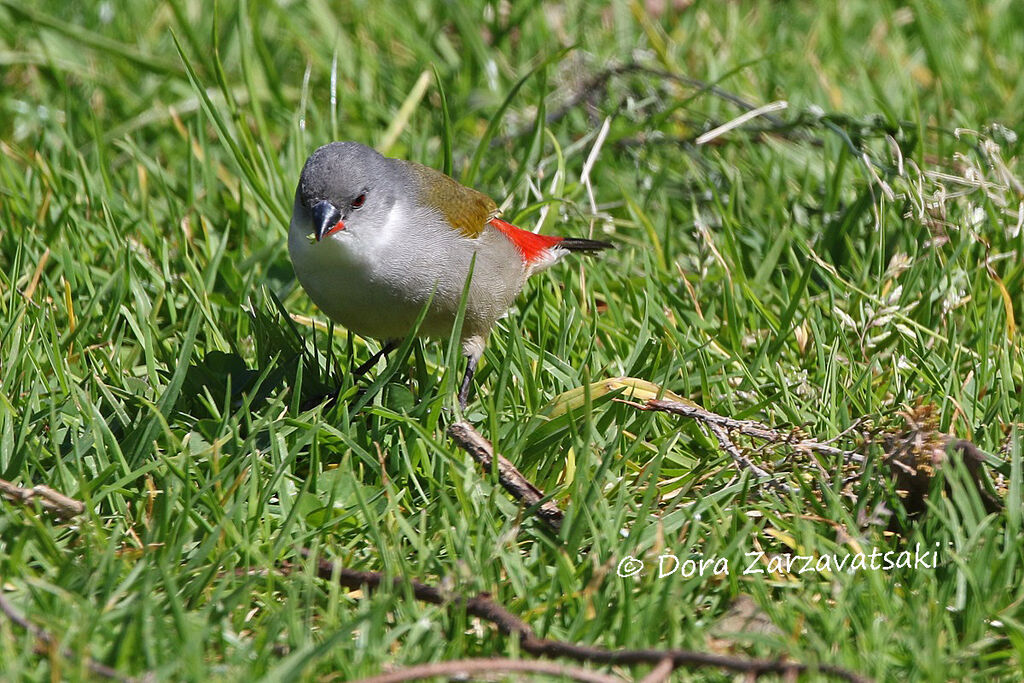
845 265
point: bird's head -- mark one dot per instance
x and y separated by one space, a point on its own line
347 188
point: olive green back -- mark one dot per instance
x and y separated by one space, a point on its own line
466 209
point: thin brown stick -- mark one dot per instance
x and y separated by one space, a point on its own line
751 428
47 641
593 89
743 461
511 478
484 607
659 673
463 668
52 502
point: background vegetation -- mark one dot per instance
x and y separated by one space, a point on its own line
827 266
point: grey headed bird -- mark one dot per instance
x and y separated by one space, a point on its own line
372 239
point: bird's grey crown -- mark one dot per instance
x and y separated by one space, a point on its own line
339 171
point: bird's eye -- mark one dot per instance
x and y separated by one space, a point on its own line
359 201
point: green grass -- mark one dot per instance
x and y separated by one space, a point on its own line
863 258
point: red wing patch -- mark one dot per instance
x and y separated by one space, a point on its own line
530 245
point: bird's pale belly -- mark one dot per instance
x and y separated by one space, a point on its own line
384 303
375 312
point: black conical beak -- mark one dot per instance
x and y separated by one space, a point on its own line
326 219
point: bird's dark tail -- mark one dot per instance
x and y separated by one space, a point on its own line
584 245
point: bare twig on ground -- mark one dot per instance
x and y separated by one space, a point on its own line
47 643
661 672
751 428
913 454
722 434
53 502
484 607
511 478
595 86
464 669
594 89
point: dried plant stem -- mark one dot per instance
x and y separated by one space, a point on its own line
481 450
751 428
52 502
484 607
47 642
464 669
743 461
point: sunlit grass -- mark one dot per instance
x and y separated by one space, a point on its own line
156 351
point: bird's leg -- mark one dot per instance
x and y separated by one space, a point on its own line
389 346
467 379
473 349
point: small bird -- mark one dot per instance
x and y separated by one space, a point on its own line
372 239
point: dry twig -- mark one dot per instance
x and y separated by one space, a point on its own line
751 428
661 672
47 643
484 607
53 502
743 461
721 426
593 89
511 478
463 669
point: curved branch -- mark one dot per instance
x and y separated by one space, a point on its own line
484 607
463 668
